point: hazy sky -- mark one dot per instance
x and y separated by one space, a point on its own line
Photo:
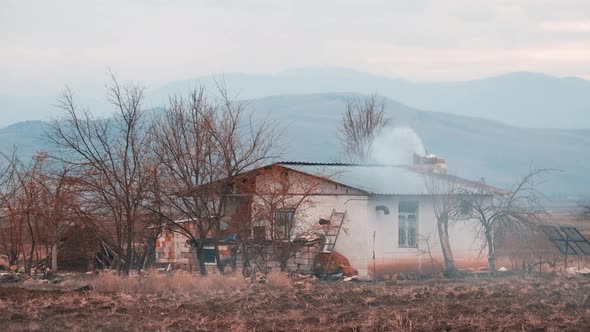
46 44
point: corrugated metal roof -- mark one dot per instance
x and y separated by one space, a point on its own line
373 179
377 179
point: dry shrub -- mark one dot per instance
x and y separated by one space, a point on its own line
278 280
159 283
108 282
218 282
73 284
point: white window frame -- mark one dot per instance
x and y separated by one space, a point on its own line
290 223
214 256
405 230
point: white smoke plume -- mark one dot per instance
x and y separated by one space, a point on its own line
395 146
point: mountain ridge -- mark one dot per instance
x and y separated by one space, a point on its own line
473 147
525 99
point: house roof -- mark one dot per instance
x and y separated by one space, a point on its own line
376 179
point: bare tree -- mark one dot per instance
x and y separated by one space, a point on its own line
111 156
515 210
361 122
26 206
56 204
11 228
201 147
446 202
24 228
40 203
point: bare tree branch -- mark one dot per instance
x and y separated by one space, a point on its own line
361 122
517 209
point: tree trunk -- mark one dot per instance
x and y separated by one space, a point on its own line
245 260
197 249
29 265
443 234
54 257
117 261
12 259
129 251
220 265
149 253
284 256
491 254
234 256
29 261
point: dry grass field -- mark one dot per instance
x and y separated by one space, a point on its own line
187 303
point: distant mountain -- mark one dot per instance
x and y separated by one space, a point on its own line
473 148
521 99
15 109
27 137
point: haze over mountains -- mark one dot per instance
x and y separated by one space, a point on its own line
476 141
473 148
15 109
521 99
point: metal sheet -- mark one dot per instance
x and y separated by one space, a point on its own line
555 236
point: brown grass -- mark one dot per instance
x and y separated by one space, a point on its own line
230 304
159 283
278 280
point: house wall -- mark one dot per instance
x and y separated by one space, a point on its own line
427 256
320 197
171 248
352 241
362 221
317 198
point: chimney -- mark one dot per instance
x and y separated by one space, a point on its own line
429 164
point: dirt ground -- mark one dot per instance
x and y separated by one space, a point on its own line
514 304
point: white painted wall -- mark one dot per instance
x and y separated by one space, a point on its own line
390 257
362 221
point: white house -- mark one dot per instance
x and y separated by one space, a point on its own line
388 213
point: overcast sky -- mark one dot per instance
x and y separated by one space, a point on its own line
46 44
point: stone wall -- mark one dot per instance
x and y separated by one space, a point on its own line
264 258
172 248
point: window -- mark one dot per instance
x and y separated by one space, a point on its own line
466 208
407 224
283 223
209 255
259 233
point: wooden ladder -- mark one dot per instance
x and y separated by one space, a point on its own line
332 233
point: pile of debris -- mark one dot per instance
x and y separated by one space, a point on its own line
302 280
10 277
333 266
572 272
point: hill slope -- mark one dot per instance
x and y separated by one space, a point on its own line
15 109
473 147
521 99
27 137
